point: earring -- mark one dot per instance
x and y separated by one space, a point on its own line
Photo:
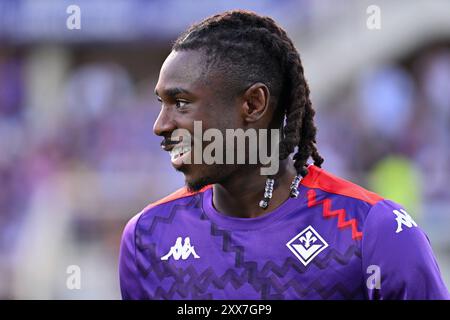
268 190
294 185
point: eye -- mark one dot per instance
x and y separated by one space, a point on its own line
181 104
159 99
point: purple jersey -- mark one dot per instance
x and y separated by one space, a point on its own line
335 241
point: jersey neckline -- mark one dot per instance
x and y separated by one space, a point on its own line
267 219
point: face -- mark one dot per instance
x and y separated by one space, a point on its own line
187 93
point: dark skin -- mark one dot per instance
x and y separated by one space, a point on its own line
189 94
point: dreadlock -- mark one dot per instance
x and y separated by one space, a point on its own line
248 48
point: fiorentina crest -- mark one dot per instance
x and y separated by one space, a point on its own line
307 245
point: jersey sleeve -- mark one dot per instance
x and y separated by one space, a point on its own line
128 273
397 258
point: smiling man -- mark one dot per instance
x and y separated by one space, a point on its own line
234 233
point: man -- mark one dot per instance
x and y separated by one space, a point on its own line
233 233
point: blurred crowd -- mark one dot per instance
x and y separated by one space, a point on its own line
390 130
104 132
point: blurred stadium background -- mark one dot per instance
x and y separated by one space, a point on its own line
78 157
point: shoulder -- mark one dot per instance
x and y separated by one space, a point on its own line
391 228
377 217
161 208
391 241
369 214
390 217
348 201
318 178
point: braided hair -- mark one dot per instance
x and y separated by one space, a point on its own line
249 48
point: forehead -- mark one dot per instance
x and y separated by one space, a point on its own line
181 69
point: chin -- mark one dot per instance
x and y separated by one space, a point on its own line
195 186
196 183
196 178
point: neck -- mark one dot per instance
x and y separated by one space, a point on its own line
239 196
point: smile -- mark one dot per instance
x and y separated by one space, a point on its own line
179 153
182 143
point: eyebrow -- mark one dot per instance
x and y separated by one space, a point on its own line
172 92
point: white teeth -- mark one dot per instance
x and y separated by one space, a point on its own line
179 151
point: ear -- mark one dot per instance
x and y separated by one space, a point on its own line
256 102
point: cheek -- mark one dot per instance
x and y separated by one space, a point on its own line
200 119
221 115
222 120
184 122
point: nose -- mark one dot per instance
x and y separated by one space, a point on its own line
164 124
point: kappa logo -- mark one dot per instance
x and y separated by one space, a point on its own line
307 245
403 219
180 250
